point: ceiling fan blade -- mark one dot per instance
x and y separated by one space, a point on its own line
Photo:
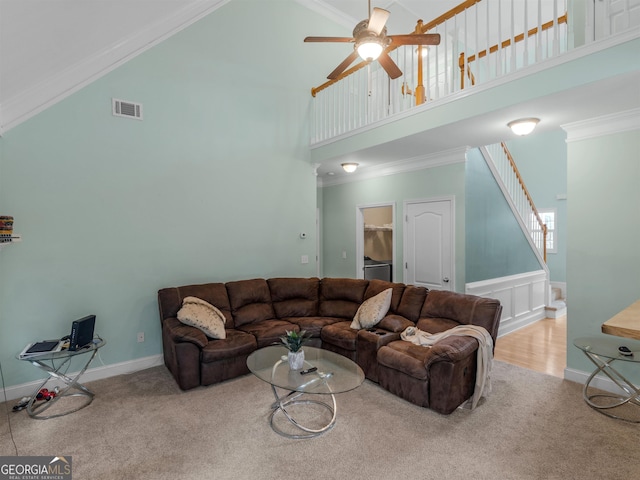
329 39
343 66
419 39
377 20
389 65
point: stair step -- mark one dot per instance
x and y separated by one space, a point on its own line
556 309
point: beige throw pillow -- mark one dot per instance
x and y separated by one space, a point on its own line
372 310
200 314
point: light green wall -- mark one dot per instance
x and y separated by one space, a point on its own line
213 185
495 244
341 201
542 162
603 258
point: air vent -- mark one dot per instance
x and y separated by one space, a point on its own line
122 108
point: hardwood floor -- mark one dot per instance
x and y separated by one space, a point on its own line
541 346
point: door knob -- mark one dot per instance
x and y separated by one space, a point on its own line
445 279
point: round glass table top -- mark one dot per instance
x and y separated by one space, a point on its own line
608 346
334 374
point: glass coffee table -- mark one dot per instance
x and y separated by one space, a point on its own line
604 352
334 374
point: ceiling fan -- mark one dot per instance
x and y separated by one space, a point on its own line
370 41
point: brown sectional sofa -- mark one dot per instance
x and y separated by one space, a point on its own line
259 311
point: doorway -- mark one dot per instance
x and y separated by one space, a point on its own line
375 241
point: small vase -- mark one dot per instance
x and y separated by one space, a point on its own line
296 360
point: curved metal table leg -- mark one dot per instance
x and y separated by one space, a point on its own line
633 393
73 389
292 399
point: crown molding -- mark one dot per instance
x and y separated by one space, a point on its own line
439 159
604 125
53 89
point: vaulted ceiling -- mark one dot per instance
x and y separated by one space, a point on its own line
52 40
50 48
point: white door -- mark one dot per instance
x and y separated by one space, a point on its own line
428 249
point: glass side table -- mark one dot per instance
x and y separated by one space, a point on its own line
603 352
53 363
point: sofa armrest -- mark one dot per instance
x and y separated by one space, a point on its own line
179 332
453 349
395 323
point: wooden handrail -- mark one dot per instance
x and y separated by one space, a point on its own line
423 27
504 44
543 226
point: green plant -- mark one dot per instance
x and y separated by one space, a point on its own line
294 340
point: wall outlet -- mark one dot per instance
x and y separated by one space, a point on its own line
140 337
304 259
344 254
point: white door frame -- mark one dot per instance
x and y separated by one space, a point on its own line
442 198
360 236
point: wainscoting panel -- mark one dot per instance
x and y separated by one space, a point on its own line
522 297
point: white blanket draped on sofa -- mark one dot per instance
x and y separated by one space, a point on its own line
485 352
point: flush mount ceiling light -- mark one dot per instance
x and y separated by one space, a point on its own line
349 167
523 126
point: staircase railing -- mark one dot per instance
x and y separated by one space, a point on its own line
521 199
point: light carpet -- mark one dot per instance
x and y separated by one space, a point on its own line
141 426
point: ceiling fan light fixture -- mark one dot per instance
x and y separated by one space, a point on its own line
423 51
369 49
349 167
523 126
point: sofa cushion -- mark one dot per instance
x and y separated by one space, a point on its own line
294 297
313 325
202 315
376 286
411 303
340 335
405 357
235 344
372 310
250 301
170 299
268 332
436 325
341 297
448 309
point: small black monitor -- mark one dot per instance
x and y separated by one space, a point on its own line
82 332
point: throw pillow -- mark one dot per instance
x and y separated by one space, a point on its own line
372 310
200 314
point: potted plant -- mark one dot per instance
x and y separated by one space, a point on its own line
293 341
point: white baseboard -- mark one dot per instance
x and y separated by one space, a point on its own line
98 373
600 382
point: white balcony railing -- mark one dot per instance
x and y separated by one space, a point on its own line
480 40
